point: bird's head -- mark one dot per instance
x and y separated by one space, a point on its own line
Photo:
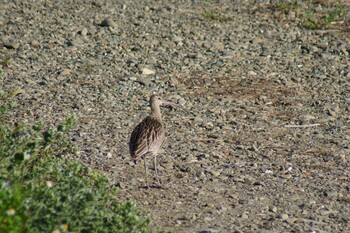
157 100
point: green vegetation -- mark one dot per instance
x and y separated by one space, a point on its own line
1 73
289 6
4 61
44 191
317 14
215 16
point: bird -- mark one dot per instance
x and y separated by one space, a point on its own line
149 135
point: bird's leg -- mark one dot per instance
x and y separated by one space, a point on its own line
144 159
155 168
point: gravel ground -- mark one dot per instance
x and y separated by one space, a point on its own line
243 70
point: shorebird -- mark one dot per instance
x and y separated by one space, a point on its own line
148 136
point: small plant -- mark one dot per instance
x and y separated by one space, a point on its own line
316 15
44 191
333 15
212 16
289 6
311 22
1 74
5 61
6 105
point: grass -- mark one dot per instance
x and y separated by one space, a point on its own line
44 191
5 60
289 6
315 15
215 16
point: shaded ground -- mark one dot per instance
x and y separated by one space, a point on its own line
230 165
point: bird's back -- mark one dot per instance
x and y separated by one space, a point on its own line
148 136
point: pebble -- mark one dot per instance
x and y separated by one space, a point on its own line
198 120
65 72
121 185
144 81
11 45
243 73
108 22
252 73
109 155
215 173
147 71
34 43
332 194
84 32
182 101
177 39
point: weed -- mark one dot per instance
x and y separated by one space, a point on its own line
289 6
311 22
211 15
43 191
316 15
5 61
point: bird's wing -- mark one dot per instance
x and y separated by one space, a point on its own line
148 136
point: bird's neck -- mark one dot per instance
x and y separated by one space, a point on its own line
155 112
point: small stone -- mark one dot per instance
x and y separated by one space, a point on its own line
121 185
233 196
147 71
11 45
215 173
177 39
144 81
65 72
197 120
284 216
109 155
252 73
182 101
178 222
333 110
84 32
208 82
291 15
331 194
292 220
244 216
108 22
207 219
131 163
34 43
158 202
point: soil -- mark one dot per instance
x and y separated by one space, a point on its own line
265 145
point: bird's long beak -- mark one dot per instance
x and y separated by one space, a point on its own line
168 103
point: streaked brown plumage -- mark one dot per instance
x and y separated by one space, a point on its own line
149 135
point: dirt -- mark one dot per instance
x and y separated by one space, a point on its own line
265 145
